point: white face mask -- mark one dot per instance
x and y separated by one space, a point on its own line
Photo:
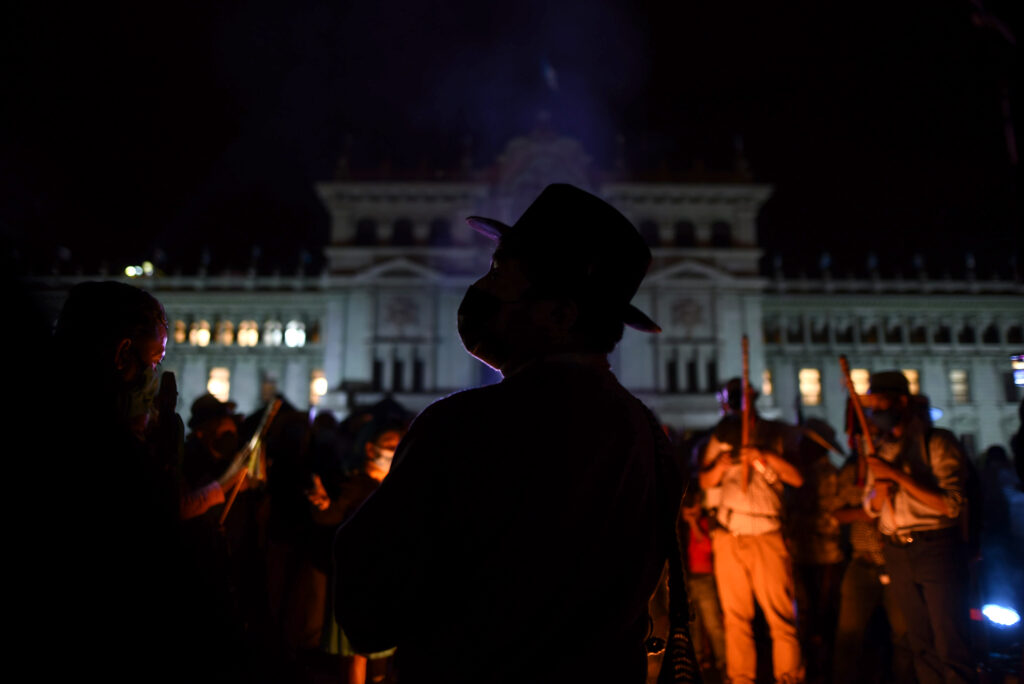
383 459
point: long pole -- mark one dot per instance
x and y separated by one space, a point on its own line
746 414
868 446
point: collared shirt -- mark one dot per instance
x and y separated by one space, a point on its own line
759 510
939 465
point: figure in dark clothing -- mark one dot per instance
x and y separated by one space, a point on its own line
117 465
524 525
377 442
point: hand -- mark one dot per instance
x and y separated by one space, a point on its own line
317 495
236 472
882 470
752 453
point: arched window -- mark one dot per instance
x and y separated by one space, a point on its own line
219 383
991 334
649 232
402 235
366 232
1015 335
894 335
966 335
795 331
295 334
272 334
943 335
686 234
317 387
918 335
248 334
199 334
440 233
225 333
721 234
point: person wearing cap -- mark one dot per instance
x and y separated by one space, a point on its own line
211 465
915 487
524 525
751 558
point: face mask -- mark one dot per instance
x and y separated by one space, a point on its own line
476 316
225 444
885 420
384 458
140 397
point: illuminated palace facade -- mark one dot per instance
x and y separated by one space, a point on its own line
381 317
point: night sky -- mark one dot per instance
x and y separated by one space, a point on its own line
142 132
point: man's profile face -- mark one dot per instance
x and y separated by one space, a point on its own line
149 352
495 321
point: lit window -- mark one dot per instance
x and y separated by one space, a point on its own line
766 383
317 387
180 332
958 386
199 335
226 333
810 386
860 377
914 379
219 384
272 334
248 334
295 334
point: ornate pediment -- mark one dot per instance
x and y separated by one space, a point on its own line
690 272
398 269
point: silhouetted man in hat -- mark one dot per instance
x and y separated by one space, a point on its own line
519 534
916 489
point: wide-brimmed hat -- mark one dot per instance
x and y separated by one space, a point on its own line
888 382
571 236
207 408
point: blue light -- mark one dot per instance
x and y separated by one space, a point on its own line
935 412
1000 615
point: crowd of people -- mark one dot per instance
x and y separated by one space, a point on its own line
856 563
511 533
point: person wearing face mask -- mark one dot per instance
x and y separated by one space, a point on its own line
119 556
211 465
916 489
524 525
377 441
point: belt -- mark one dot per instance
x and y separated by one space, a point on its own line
910 536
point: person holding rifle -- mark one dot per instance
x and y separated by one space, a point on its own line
915 487
751 559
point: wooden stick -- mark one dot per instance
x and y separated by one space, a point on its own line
858 409
254 447
746 414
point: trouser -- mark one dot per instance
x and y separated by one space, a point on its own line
930 580
859 596
704 597
749 568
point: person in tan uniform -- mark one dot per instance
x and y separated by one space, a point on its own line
751 560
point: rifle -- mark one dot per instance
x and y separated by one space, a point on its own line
254 450
858 409
746 412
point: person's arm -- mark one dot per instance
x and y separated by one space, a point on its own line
194 503
787 472
716 462
946 465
